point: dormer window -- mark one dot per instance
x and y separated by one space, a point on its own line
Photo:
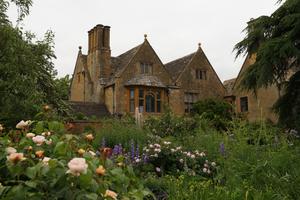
201 74
146 68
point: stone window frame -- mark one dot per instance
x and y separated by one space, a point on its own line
244 104
146 68
140 100
201 74
131 100
189 99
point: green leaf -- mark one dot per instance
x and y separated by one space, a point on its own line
60 149
91 196
31 184
31 172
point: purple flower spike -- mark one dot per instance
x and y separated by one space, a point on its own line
116 150
222 149
132 151
137 153
120 149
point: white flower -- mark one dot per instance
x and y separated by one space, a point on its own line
151 146
157 150
48 133
77 166
46 160
92 153
173 150
10 150
192 156
155 155
189 154
167 143
208 171
23 124
206 165
147 150
213 164
204 170
181 160
157 145
157 169
137 160
178 148
39 140
30 135
202 154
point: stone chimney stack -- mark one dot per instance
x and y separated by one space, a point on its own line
96 38
106 38
99 59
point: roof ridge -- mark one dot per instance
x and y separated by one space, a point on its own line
191 54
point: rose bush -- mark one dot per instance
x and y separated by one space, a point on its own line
57 165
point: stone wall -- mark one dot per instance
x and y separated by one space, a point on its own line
144 54
211 87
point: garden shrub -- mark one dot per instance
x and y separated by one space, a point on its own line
53 165
219 112
170 124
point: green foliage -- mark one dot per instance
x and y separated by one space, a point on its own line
27 71
22 5
34 177
218 112
170 124
289 116
275 42
63 87
116 132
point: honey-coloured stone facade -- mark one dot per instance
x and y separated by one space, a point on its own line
138 78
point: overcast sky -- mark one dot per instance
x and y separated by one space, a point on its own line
174 27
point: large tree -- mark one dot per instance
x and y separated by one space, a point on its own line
275 40
26 69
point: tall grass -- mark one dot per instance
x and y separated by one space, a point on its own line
258 162
120 132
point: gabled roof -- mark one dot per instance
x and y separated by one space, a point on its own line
177 66
228 84
120 62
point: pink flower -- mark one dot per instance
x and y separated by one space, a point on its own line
157 169
77 166
39 140
15 157
111 194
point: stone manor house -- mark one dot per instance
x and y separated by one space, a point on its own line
138 80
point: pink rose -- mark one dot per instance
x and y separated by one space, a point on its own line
77 166
39 140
